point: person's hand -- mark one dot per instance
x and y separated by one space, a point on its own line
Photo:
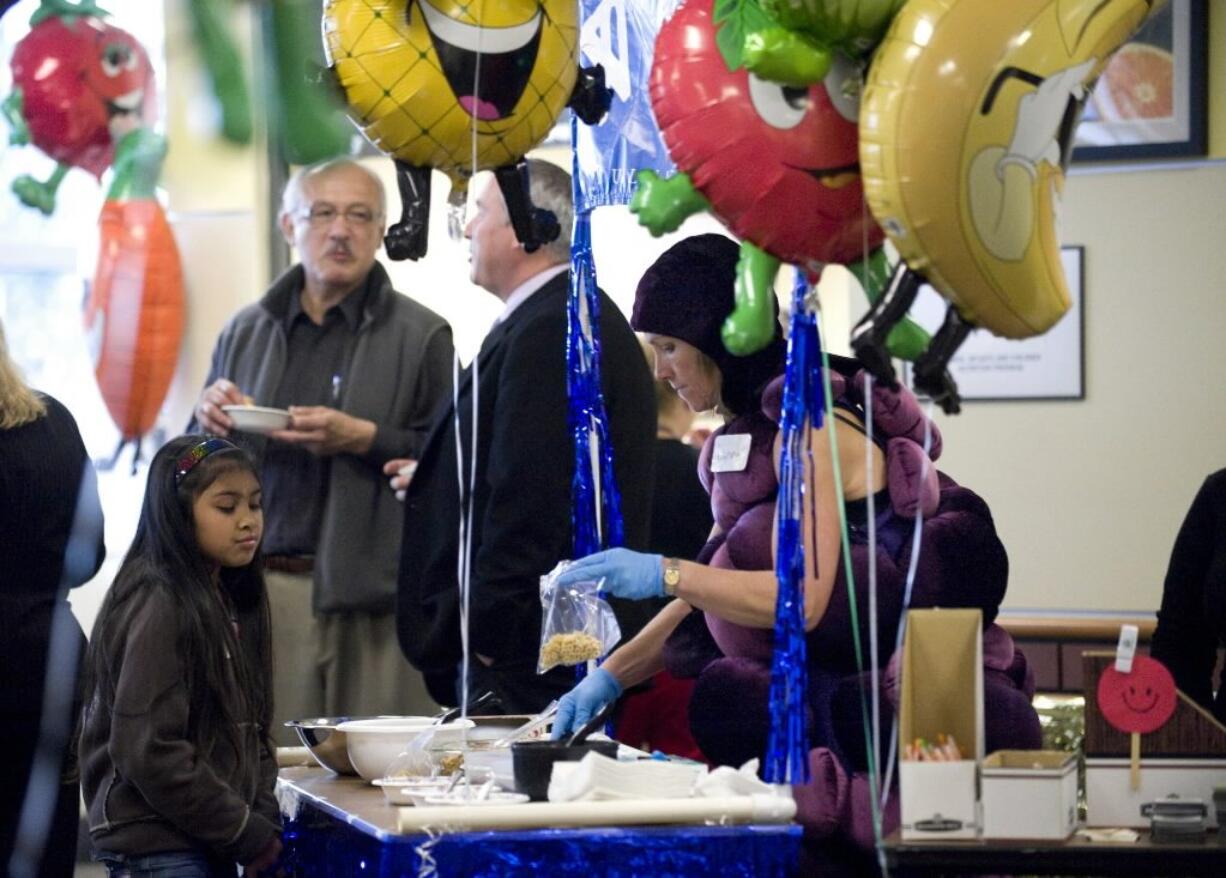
583 702
626 574
400 470
325 431
211 418
264 859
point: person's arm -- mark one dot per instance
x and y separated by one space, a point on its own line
218 390
642 658
265 795
149 745
326 431
86 548
629 665
748 597
1184 640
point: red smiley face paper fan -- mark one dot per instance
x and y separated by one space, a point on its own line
1139 702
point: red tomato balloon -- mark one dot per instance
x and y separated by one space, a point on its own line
780 166
76 75
1141 701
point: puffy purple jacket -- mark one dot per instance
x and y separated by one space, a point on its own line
962 563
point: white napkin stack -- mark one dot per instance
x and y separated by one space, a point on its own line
598 778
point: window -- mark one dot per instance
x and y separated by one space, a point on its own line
46 264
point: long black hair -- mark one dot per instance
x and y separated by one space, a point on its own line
165 556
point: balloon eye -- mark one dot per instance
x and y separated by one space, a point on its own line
779 106
133 61
115 58
797 98
843 85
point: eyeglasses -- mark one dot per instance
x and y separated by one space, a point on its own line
323 215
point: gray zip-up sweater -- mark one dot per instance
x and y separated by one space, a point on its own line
400 372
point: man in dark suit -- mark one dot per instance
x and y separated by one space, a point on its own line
521 493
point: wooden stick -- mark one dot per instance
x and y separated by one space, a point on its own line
1134 761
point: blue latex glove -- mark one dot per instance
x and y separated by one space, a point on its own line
584 701
626 574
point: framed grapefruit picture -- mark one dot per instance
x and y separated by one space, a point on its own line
1150 102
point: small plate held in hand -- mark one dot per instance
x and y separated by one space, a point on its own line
256 418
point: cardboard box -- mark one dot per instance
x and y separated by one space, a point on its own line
1029 794
1110 800
942 694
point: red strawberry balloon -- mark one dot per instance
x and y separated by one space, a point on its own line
74 78
778 165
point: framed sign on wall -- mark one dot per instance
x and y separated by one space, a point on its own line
1048 366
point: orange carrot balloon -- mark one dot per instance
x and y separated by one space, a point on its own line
135 313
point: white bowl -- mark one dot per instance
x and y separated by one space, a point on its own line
373 744
257 419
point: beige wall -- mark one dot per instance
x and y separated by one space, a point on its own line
1088 495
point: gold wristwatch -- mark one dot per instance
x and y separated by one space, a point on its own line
672 576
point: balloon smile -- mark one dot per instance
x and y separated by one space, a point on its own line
488 68
833 178
126 103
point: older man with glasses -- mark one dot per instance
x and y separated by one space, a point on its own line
360 368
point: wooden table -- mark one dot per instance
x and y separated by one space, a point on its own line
343 826
1075 856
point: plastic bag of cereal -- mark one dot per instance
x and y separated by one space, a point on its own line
577 625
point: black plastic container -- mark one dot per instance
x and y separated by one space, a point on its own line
533 762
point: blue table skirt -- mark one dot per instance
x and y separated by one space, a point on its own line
317 843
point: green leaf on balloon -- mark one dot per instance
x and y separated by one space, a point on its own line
735 20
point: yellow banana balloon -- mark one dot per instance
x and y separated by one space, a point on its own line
965 129
429 80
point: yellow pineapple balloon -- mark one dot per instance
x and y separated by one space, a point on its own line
965 130
435 83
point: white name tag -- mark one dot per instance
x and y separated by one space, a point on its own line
731 453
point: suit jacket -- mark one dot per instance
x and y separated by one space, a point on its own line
522 501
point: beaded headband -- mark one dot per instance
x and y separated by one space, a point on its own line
198 453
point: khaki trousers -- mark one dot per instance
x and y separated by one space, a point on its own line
335 664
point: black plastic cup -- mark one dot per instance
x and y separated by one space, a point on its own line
533 762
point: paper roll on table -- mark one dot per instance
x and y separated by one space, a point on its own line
636 812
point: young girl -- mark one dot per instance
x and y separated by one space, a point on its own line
176 763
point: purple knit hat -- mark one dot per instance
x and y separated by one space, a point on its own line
688 293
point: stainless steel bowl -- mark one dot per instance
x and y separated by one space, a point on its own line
320 736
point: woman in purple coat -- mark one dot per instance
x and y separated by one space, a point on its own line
680 304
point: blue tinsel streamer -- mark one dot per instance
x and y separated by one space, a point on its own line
586 414
787 755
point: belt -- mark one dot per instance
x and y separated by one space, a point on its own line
290 563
